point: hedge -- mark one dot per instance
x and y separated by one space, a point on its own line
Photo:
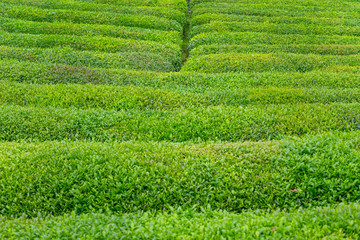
131 97
20 26
89 17
208 17
193 124
172 4
338 222
347 11
277 28
90 6
81 177
216 63
41 73
268 38
170 52
124 60
287 48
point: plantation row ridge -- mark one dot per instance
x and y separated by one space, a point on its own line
179 119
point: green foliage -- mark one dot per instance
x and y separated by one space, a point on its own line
311 20
193 124
338 222
255 62
268 38
61 177
164 11
30 72
278 10
94 118
131 97
289 48
277 28
90 17
20 26
73 58
170 52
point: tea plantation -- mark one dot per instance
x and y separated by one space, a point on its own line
175 119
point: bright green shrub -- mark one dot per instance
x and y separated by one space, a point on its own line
309 3
20 26
130 97
277 28
268 38
95 96
61 177
338 222
89 17
208 17
90 6
123 60
216 63
174 4
283 10
266 48
213 123
30 72
170 52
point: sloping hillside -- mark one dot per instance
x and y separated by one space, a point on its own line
168 119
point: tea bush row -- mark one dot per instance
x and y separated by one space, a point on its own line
89 17
81 177
347 10
338 222
30 27
257 62
41 73
332 49
157 11
309 20
277 28
226 123
130 97
170 52
123 60
238 38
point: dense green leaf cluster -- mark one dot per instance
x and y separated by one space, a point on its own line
340 222
163 11
166 97
226 123
64 28
89 17
60 177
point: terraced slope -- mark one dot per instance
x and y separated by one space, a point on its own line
175 119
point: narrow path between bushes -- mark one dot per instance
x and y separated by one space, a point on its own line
185 36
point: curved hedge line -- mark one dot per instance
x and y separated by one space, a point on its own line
208 17
61 177
283 10
130 97
170 52
123 60
30 72
257 62
333 49
268 38
90 17
90 6
340 221
277 28
193 124
41 73
20 26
